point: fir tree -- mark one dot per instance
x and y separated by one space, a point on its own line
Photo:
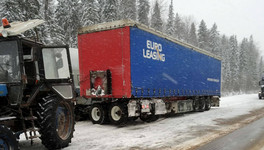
128 9
234 63
178 27
143 11
90 12
170 21
156 21
192 36
110 10
214 40
203 36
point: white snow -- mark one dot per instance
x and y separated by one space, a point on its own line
175 132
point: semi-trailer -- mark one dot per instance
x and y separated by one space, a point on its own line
129 70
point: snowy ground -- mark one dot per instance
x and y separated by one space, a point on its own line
178 132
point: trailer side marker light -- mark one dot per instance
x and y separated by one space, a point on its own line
5 23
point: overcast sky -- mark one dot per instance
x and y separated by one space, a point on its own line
240 17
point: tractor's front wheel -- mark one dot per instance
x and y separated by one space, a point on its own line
8 140
56 121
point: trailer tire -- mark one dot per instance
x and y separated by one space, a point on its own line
8 140
118 113
208 104
56 120
196 105
201 104
97 114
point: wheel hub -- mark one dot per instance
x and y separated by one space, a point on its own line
96 114
64 123
116 113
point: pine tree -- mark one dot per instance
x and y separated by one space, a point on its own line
10 9
234 63
178 27
214 40
90 12
253 58
203 36
143 11
192 36
47 13
156 21
110 10
128 9
67 16
226 69
170 21
244 64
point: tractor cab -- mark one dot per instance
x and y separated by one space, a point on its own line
36 88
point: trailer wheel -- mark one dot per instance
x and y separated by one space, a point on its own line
8 140
208 104
56 120
201 104
196 105
97 114
118 113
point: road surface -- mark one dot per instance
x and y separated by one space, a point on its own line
250 137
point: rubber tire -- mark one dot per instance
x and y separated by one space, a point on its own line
102 111
122 114
48 110
201 105
208 104
196 105
9 138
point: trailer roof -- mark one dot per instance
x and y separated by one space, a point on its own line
131 23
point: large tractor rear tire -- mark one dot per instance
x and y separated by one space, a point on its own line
56 119
8 140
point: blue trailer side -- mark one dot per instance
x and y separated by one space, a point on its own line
162 68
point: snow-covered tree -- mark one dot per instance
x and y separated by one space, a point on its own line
128 9
10 9
214 40
143 11
234 62
170 21
203 36
243 65
90 12
193 36
110 10
67 16
156 21
179 30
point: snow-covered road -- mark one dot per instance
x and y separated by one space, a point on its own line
178 132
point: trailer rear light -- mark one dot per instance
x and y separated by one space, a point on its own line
5 23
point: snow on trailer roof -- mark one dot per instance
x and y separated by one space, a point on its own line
127 22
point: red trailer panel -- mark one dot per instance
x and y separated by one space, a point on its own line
102 51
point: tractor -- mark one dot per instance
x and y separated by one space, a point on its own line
37 95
